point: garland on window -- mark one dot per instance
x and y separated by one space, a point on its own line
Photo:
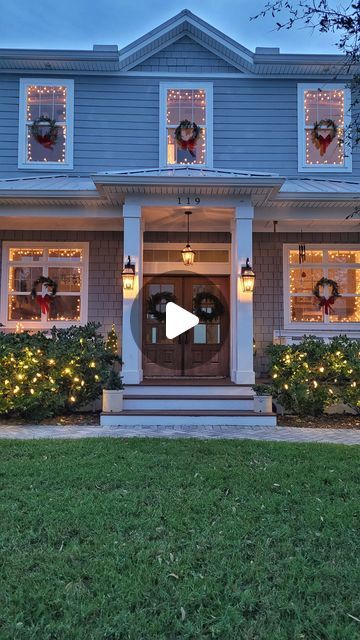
319 140
48 139
44 300
186 135
205 299
157 299
322 301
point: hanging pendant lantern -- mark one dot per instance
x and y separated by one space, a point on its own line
187 254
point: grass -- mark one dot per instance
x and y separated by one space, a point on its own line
115 539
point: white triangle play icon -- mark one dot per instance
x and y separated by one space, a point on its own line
178 320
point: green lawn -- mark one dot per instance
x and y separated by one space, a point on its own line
141 539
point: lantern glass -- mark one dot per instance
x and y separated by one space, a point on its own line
128 275
248 278
188 255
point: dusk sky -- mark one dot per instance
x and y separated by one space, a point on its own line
78 24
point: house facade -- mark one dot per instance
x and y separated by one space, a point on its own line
98 169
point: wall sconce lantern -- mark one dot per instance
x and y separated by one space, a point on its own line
187 254
128 274
247 277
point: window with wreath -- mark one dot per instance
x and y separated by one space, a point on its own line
186 134
46 123
46 284
324 118
325 288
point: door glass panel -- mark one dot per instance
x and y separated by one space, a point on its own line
213 333
200 334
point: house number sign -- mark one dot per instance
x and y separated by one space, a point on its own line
188 200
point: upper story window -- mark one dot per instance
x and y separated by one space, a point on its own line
324 117
46 124
185 124
28 299
337 263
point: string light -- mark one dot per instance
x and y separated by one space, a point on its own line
186 104
323 105
48 102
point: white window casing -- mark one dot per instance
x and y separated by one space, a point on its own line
65 125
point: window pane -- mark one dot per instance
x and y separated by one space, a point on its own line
23 308
186 104
213 333
313 256
67 279
346 310
349 256
303 280
65 308
49 102
334 153
23 278
70 255
304 309
176 155
347 279
200 334
25 255
44 149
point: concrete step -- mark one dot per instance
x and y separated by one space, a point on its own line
192 401
187 417
188 389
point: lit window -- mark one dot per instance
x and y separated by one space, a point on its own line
46 123
31 271
340 265
323 120
191 144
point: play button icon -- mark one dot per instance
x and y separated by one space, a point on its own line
178 320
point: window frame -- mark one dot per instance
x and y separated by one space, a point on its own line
302 166
208 88
23 163
84 291
316 327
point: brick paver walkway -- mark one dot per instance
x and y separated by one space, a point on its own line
285 434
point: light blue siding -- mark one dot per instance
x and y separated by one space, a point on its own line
117 125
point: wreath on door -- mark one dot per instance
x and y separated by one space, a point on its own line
326 303
202 301
157 299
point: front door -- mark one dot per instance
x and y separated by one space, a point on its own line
199 352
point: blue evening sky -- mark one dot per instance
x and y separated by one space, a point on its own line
78 24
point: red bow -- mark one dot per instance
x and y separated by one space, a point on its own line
44 303
45 141
326 303
188 145
323 143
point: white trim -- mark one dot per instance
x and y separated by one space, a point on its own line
322 168
208 88
23 163
314 328
84 292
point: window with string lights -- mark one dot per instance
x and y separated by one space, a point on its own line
44 284
46 124
324 128
323 289
185 124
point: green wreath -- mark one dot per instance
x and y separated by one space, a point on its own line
200 301
48 139
323 302
50 284
322 142
188 143
155 300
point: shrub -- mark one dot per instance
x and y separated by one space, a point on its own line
311 375
43 376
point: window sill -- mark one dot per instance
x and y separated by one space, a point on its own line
325 168
45 166
292 336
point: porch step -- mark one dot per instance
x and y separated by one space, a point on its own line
188 389
192 401
187 417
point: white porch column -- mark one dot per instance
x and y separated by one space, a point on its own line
132 322
242 330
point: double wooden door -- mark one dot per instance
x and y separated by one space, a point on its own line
200 352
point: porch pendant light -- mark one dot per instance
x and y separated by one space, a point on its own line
247 277
188 255
128 274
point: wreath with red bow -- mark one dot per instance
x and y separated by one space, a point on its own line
44 301
49 138
186 135
322 142
326 303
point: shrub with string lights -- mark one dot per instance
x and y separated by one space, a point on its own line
44 376
311 375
